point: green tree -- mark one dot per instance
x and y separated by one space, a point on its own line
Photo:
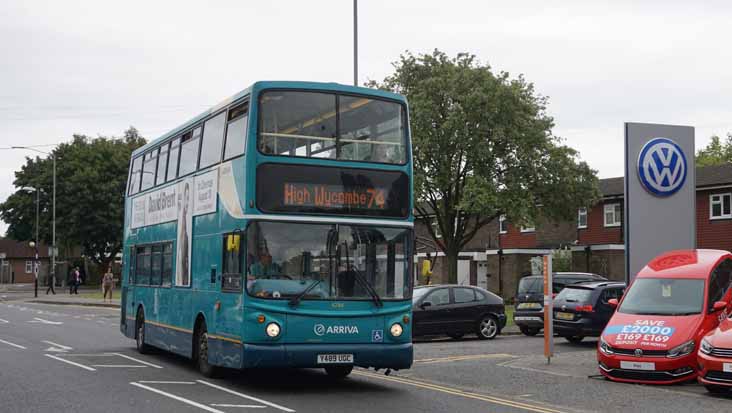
716 152
91 176
483 147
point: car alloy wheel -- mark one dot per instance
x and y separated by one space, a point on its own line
488 328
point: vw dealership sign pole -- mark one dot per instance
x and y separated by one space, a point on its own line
660 192
548 310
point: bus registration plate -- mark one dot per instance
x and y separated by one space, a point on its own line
335 358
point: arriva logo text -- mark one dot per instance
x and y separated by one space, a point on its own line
321 330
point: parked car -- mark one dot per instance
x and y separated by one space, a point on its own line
583 310
715 350
529 312
456 310
674 301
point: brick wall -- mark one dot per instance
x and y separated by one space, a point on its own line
712 234
596 231
514 238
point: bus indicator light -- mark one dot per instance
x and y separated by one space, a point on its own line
260 318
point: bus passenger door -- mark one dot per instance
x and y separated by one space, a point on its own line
230 283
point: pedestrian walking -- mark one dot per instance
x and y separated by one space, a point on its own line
107 284
51 281
75 281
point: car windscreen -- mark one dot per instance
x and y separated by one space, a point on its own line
417 293
531 285
574 295
662 296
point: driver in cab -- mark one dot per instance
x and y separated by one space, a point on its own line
262 268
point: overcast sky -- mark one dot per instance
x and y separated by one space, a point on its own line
97 67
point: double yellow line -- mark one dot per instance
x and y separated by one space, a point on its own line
461 393
463 358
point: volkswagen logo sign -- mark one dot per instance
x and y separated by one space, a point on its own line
638 352
662 167
319 329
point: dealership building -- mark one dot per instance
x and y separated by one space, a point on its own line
500 253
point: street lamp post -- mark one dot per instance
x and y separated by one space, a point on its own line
355 42
35 269
33 244
53 222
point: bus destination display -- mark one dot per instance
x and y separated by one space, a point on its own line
330 190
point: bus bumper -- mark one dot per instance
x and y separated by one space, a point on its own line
393 356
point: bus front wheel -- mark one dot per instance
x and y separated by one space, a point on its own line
339 372
142 347
201 353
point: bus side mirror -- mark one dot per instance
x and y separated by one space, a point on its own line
718 306
613 302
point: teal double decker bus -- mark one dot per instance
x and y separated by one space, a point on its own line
275 230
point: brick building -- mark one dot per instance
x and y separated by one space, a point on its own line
17 263
501 252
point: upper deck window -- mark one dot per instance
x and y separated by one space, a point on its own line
325 125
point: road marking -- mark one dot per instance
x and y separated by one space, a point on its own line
139 361
276 406
90 355
248 406
463 358
40 320
13 344
70 362
166 382
60 346
180 399
4 321
121 366
462 393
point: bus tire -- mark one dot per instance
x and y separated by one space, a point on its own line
201 353
142 346
338 372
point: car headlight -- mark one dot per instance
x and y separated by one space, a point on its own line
396 330
605 347
705 347
273 330
681 350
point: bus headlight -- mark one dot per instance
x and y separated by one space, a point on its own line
396 330
273 330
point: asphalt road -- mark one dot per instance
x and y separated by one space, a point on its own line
67 358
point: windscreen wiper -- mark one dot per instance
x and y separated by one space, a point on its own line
365 284
294 301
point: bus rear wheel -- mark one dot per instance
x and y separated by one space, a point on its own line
339 372
201 353
142 347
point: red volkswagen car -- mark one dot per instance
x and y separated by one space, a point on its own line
715 349
673 302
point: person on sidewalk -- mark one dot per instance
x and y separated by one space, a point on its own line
51 281
107 284
75 281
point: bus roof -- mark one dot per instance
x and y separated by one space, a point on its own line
258 86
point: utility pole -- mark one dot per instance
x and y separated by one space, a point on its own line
355 42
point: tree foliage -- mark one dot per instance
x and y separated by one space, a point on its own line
91 176
483 147
716 152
